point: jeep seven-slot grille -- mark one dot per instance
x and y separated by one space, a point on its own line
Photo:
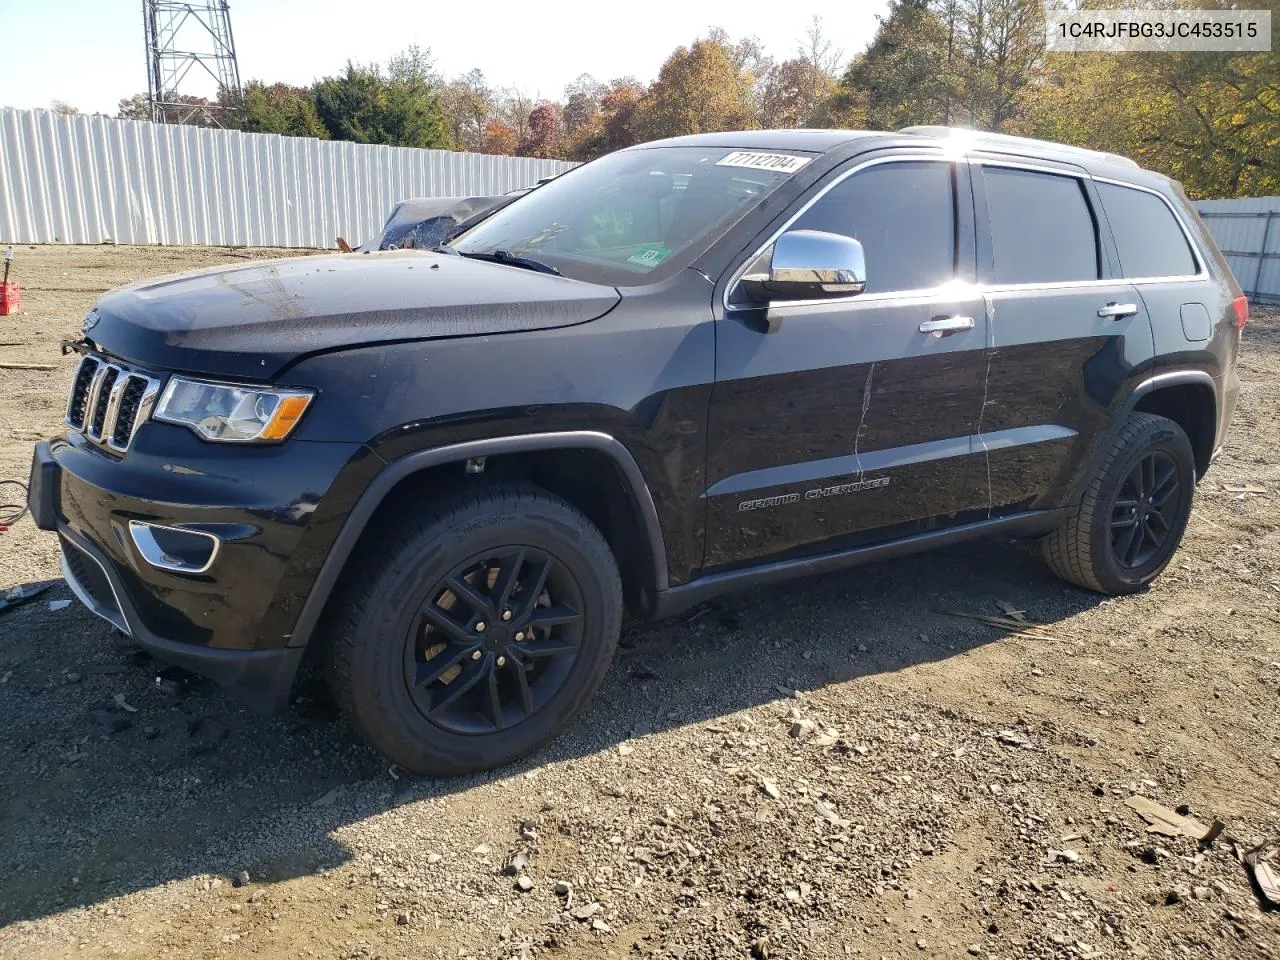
109 401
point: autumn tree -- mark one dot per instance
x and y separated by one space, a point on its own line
612 126
698 90
545 133
468 103
582 102
184 108
499 138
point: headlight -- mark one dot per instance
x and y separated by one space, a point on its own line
224 411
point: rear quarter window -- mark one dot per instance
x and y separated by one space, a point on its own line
1149 239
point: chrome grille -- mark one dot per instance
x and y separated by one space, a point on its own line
110 401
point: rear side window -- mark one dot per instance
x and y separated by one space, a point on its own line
1042 229
1148 238
904 215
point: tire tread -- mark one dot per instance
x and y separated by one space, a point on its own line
1070 550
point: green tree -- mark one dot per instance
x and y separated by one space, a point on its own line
900 79
1210 120
281 108
402 108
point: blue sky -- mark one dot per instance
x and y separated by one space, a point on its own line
89 53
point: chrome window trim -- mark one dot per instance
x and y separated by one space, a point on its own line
1202 264
948 289
736 276
150 550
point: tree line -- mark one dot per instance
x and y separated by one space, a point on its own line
1212 120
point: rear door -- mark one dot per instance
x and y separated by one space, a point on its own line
842 422
1067 331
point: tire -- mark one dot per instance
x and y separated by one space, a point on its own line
1088 550
398 613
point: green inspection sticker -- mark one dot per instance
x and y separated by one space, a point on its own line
650 256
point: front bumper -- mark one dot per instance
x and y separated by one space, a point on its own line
231 620
262 679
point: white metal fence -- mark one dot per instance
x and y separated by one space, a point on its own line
1247 231
82 179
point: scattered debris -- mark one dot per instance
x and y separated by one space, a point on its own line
113 722
27 366
524 883
124 704
1020 628
1164 821
1245 488
770 788
16 596
1266 873
1012 612
1011 738
56 605
828 813
241 879
586 911
517 864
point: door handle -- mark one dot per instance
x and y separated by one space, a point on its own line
1117 311
941 326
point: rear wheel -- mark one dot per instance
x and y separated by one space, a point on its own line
1133 513
476 631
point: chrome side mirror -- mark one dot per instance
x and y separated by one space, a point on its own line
809 265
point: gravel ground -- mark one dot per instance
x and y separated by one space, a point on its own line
828 769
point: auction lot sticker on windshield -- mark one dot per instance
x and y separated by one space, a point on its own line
774 162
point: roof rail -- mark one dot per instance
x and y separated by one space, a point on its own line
997 140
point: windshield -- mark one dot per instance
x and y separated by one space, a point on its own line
633 217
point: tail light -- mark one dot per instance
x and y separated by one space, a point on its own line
1241 303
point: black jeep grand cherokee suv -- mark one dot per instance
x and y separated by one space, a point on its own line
691 366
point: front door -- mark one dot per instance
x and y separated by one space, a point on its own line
844 422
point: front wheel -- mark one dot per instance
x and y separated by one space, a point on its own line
1133 513
477 630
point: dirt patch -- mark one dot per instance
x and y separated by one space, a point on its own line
935 761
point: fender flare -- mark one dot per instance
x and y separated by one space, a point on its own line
1151 384
369 501
1169 379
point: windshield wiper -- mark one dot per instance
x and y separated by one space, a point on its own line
511 259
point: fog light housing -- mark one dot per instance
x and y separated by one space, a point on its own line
175 549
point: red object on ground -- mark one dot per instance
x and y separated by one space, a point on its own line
10 299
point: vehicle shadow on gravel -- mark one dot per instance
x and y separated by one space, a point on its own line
115 779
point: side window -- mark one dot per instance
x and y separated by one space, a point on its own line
903 213
1148 238
1042 230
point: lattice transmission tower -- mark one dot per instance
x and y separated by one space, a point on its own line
189 44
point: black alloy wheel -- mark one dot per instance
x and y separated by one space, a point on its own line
475 627
1145 511
1133 511
494 640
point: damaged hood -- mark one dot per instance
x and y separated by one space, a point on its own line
248 321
